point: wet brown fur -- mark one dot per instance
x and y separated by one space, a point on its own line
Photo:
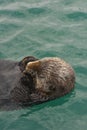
54 77
33 81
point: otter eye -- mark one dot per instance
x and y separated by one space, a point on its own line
52 88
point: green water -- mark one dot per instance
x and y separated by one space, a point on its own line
47 28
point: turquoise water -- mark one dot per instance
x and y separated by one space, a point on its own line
47 28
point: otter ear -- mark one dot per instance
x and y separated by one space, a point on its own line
35 65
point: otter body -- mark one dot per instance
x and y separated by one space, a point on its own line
15 87
33 81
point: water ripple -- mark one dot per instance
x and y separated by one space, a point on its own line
47 28
9 38
36 10
77 16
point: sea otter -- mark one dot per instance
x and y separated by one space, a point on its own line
52 77
33 81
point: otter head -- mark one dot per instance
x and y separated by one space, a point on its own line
51 78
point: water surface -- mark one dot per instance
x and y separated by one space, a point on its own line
47 28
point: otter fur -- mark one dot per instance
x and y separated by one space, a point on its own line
33 81
53 77
15 87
